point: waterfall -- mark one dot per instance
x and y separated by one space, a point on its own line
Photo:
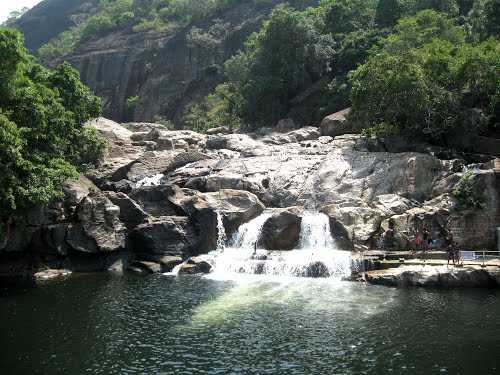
248 234
316 255
221 232
315 232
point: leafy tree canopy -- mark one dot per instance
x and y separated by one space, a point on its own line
43 138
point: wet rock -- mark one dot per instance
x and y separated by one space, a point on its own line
195 266
147 267
281 231
51 274
236 207
316 270
167 236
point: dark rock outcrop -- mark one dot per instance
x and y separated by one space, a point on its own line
281 231
168 236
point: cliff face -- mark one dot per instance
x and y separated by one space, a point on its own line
158 67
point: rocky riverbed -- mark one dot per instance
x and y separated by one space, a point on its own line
157 197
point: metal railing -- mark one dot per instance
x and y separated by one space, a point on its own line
482 256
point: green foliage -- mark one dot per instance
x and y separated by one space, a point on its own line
467 194
43 138
131 104
213 111
137 15
427 66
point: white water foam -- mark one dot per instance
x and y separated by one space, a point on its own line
315 257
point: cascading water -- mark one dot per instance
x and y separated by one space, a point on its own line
221 232
315 257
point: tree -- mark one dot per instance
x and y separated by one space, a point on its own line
428 67
492 14
388 12
44 140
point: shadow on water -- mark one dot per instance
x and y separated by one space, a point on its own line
102 324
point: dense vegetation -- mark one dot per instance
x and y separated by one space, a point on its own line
43 140
134 15
441 59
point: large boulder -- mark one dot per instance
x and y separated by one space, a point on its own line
203 216
236 207
98 228
154 200
131 214
357 223
336 124
112 131
281 231
169 236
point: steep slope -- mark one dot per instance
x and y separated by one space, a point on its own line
49 18
151 75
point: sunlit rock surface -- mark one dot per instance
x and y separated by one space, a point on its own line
174 194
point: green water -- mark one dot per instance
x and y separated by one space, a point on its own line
189 325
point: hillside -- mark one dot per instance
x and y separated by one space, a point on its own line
147 68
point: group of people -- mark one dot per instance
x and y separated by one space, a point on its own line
424 242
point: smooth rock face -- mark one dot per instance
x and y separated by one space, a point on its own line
281 231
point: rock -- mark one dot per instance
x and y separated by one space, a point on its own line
236 207
285 125
392 204
111 130
155 162
431 276
148 267
51 274
195 266
316 270
168 236
76 190
216 183
202 215
336 124
242 143
98 228
219 130
154 200
164 144
131 214
281 231
358 223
